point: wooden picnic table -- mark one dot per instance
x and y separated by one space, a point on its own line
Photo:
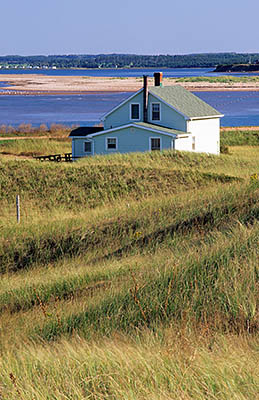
55 157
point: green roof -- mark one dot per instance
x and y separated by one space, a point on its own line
184 101
159 128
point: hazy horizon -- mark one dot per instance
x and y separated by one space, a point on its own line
138 54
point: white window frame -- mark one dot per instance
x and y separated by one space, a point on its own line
134 119
155 137
106 141
92 145
151 111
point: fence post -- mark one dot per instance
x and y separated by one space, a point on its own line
18 208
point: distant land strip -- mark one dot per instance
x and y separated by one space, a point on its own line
239 68
198 60
20 84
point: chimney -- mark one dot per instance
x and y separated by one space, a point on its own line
145 98
158 76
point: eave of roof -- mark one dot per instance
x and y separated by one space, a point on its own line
143 125
159 128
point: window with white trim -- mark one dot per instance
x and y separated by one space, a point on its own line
155 111
88 147
155 144
111 143
134 111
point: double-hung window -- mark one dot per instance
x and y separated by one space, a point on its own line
155 144
155 111
134 111
88 147
111 143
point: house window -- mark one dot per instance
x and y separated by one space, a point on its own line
155 144
111 143
134 111
88 147
193 143
155 111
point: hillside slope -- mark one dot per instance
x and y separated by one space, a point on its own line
130 277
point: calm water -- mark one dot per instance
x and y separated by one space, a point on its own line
67 110
135 72
239 108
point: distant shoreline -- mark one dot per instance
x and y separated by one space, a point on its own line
237 68
37 84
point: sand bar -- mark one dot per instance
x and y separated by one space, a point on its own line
43 84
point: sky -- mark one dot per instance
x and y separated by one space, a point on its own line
30 27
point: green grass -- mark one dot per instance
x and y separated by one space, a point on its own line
220 79
131 276
163 366
35 147
83 185
239 138
130 227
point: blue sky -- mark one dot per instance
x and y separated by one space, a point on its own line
31 27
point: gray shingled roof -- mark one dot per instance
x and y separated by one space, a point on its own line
159 128
184 101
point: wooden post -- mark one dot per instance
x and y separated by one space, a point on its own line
18 208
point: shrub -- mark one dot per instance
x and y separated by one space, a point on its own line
224 149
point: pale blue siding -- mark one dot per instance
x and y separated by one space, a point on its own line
169 117
121 116
78 147
130 139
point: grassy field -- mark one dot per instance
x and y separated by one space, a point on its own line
220 79
131 276
35 147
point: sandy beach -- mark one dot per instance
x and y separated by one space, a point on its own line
43 84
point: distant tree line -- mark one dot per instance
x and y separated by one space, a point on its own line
129 60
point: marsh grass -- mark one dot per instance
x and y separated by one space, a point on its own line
146 222
213 290
169 364
142 272
93 183
85 274
220 79
239 138
35 147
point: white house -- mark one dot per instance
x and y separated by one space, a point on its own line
154 118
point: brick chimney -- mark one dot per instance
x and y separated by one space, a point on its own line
158 77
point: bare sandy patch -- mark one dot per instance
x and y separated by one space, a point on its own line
43 84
